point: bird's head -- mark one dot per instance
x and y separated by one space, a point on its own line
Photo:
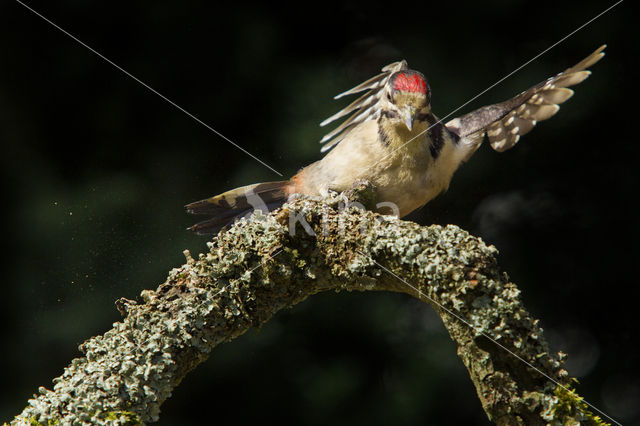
409 96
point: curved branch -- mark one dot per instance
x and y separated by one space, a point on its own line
272 262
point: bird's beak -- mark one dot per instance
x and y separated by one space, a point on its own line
409 116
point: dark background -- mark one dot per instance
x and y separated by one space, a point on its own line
96 170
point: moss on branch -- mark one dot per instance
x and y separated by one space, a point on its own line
272 262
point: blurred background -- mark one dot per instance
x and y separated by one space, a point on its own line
96 170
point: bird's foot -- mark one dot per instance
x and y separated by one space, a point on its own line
362 192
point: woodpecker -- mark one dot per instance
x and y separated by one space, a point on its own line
393 140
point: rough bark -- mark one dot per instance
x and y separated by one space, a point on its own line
272 262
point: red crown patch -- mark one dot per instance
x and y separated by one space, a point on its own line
410 83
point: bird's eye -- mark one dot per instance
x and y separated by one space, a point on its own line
389 96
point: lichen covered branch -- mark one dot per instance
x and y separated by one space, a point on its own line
272 262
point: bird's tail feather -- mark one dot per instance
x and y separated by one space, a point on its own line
230 206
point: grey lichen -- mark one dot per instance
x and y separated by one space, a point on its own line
271 262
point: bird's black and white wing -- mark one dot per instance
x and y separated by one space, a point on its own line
365 108
505 122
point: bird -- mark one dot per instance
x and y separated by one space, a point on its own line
392 139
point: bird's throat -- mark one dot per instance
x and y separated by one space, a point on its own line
395 134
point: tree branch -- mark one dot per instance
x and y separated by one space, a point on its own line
263 265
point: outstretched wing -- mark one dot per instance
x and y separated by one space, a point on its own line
505 122
366 107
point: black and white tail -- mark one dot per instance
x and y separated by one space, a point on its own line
230 206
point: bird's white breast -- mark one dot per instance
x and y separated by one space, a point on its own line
405 175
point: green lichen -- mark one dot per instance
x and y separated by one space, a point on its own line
124 418
261 266
33 421
569 408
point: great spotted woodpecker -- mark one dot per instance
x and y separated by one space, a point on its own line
393 140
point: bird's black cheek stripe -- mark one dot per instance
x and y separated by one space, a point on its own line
437 141
423 116
389 113
383 136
